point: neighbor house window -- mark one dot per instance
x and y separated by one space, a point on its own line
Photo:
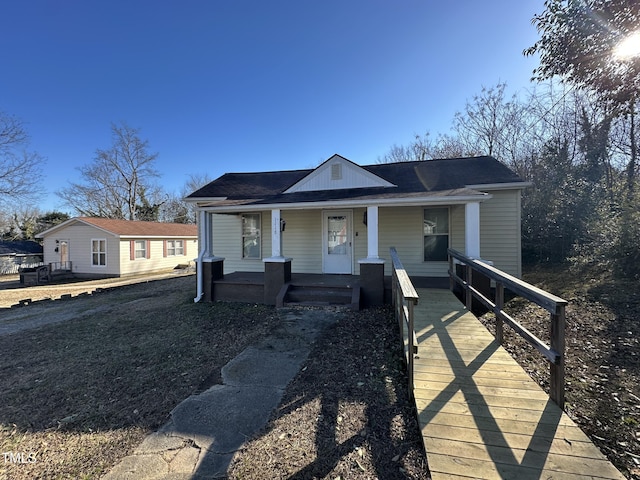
99 253
140 249
175 248
251 235
436 234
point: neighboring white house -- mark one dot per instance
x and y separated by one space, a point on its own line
341 218
103 247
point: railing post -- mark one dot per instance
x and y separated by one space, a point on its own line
498 312
468 272
556 382
451 273
410 305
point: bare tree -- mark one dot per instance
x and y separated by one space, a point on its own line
112 185
20 169
423 147
175 209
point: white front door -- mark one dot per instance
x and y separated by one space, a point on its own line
63 249
337 242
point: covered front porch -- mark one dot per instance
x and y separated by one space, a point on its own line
306 289
335 250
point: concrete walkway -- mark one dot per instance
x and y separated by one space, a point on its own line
206 430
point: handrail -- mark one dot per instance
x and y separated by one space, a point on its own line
554 353
404 297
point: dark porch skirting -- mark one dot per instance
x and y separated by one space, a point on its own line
250 286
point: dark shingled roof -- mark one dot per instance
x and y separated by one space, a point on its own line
20 247
444 177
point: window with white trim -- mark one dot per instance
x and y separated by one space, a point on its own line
99 252
175 248
251 242
140 249
435 228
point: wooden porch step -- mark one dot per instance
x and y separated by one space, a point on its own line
320 295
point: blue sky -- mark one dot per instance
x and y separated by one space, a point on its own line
220 86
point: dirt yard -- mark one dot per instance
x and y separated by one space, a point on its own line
12 291
78 395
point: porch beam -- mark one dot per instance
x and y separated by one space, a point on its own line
472 229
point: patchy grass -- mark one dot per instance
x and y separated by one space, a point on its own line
81 394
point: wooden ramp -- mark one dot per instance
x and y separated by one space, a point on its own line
481 415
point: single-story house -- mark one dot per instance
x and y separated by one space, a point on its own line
342 218
104 247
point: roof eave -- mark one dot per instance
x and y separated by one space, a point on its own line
381 202
500 186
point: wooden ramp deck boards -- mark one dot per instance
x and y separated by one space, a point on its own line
480 414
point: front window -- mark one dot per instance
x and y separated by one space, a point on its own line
436 234
175 248
337 235
140 249
251 235
99 253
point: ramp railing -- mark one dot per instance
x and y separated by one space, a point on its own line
404 299
555 352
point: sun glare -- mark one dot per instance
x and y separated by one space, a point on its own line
628 48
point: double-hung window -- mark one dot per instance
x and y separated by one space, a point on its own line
140 249
99 252
436 234
251 235
175 248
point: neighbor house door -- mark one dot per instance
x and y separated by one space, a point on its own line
337 249
63 249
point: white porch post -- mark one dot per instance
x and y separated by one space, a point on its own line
276 234
372 267
372 233
209 267
203 246
472 229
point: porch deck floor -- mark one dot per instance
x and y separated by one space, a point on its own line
480 414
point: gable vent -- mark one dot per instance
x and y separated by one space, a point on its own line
336 171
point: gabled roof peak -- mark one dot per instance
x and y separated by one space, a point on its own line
338 173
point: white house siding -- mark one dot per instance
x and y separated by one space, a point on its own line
79 237
500 234
401 227
156 261
227 242
302 240
360 247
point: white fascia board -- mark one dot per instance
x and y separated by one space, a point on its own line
385 202
500 186
69 222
